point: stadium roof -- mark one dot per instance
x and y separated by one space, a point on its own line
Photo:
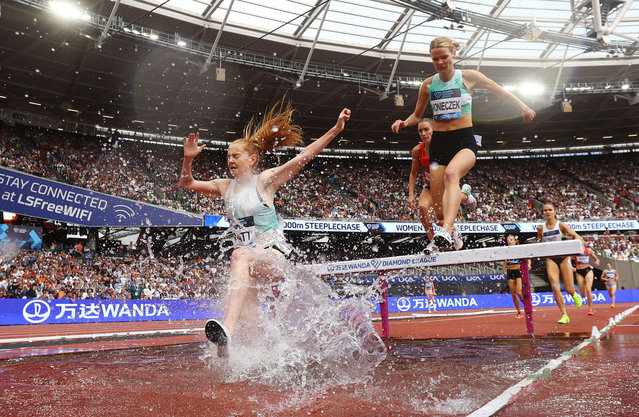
154 65
504 31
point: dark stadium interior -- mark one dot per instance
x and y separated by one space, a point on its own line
129 78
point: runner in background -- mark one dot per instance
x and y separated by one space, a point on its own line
585 275
558 266
429 290
513 273
610 277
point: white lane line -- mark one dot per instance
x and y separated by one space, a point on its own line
393 318
96 335
473 313
439 315
26 330
497 403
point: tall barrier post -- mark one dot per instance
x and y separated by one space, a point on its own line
383 306
525 290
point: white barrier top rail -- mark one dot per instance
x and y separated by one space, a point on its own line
492 254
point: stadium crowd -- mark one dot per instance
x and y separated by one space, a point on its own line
66 273
606 174
588 188
69 274
621 247
328 188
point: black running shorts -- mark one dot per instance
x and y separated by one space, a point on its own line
445 145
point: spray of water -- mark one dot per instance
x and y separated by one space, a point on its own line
8 250
305 334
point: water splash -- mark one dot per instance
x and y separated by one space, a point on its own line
307 335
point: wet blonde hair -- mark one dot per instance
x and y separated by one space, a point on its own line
275 130
425 120
444 42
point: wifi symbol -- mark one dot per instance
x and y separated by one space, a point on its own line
123 212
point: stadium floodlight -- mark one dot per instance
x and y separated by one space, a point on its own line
179 41
531 89
68 11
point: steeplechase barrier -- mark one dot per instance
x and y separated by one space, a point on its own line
523 253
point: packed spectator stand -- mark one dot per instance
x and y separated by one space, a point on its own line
66 273
601 187
334 188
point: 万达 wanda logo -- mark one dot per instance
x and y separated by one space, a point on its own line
536 299
403 304
36 311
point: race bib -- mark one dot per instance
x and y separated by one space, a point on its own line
552 236
243 230
583 259
446 104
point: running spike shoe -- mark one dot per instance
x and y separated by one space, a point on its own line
564 319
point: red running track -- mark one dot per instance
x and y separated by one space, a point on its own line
446 325
601 380
24 341
436 376
503 325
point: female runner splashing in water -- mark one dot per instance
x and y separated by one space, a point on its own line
248 198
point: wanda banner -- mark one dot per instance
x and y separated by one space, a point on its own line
38 197
37 311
